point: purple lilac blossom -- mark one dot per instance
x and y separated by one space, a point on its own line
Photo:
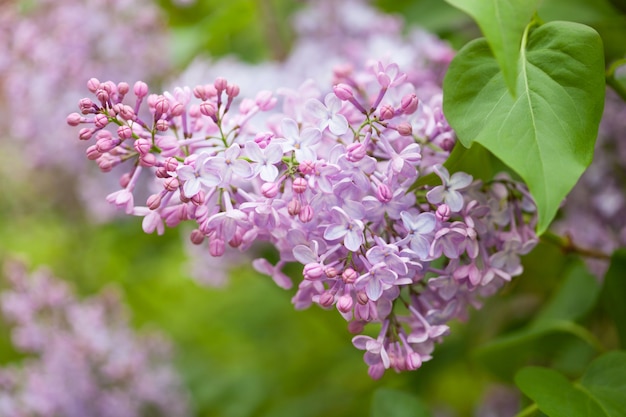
413 264
83 357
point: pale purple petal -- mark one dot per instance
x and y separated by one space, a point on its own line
338 124
304 255
290 129
460 180
353 240
335 231
268 173
374 289
316 109
436 195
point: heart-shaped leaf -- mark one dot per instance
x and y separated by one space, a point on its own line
502 22
547 133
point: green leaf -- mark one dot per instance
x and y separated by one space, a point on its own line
572 301
393 403
502 22
605 379
547 133
555 395
600 392
614 291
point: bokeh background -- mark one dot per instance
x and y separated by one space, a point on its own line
238 345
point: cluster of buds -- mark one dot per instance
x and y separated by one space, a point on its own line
329 181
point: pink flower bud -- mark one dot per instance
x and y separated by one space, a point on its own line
386 112
200 92
326 299
362 298
345 303
93 153
343 91
162 105
263 139
299 185
355 152
232 90
313 271
85 133
220 84
86 106
247 105
125 179
343 71
208 109
349 275
237 239
443 213
171 184
161 173
170 164
383 79
269 190
140 89
124 132
105 144
413 361
147 160
103 96
307 167
123 88
447 144
177 109
356 326
306 213
154 201
409 103
100 120
74 119
294 207
405 129
93 85
198 198
196 237
330 271
127 112
217 247
142 146
162 125
384 193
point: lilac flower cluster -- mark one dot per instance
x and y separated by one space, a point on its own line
83 358
592 215
329 181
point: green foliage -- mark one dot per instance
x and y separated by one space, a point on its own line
393 403
614 291
502 23
547 133
600 392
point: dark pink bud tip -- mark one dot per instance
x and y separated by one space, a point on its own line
171 184
93 153
207 109
349 275
269 190
217 247
124 132
142 146
362 298
162 125
162 105
93 84
313 271
140 89
355 152
101 120
306 213
148 160
405 129
232 91
85 133
123 88
294 207
386 112
384 193
299 185
220 84
154 201
196 237
74 119
345 303
326 299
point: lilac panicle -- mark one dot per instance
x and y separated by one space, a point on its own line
83 357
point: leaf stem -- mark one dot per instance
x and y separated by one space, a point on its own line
613 82
566 245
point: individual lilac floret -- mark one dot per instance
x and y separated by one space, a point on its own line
327 114
448 193
83 359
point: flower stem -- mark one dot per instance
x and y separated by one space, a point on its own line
568 246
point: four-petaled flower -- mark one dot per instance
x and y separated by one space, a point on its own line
195 175
449 191
351 230
327 114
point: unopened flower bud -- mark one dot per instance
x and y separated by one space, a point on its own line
140 89
177 109
294 207
100 120
208 109
356 326
237 239
269 190
384 193
93 153
299 185
383 79
142 146
330 271
443 213
362 298
127 112
86 106
345 303
313 271
405 129
162 125
125 179
217 247
307 167
198 198
147 160
386 112
162 105
355 152
170 164
349 275
326 299
124 132
409 103
154 201
85 133
265 100
171 184
306 213
103 96
220 84
343 91
123 88
232 90
413 361
93 84
196 237
74 119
